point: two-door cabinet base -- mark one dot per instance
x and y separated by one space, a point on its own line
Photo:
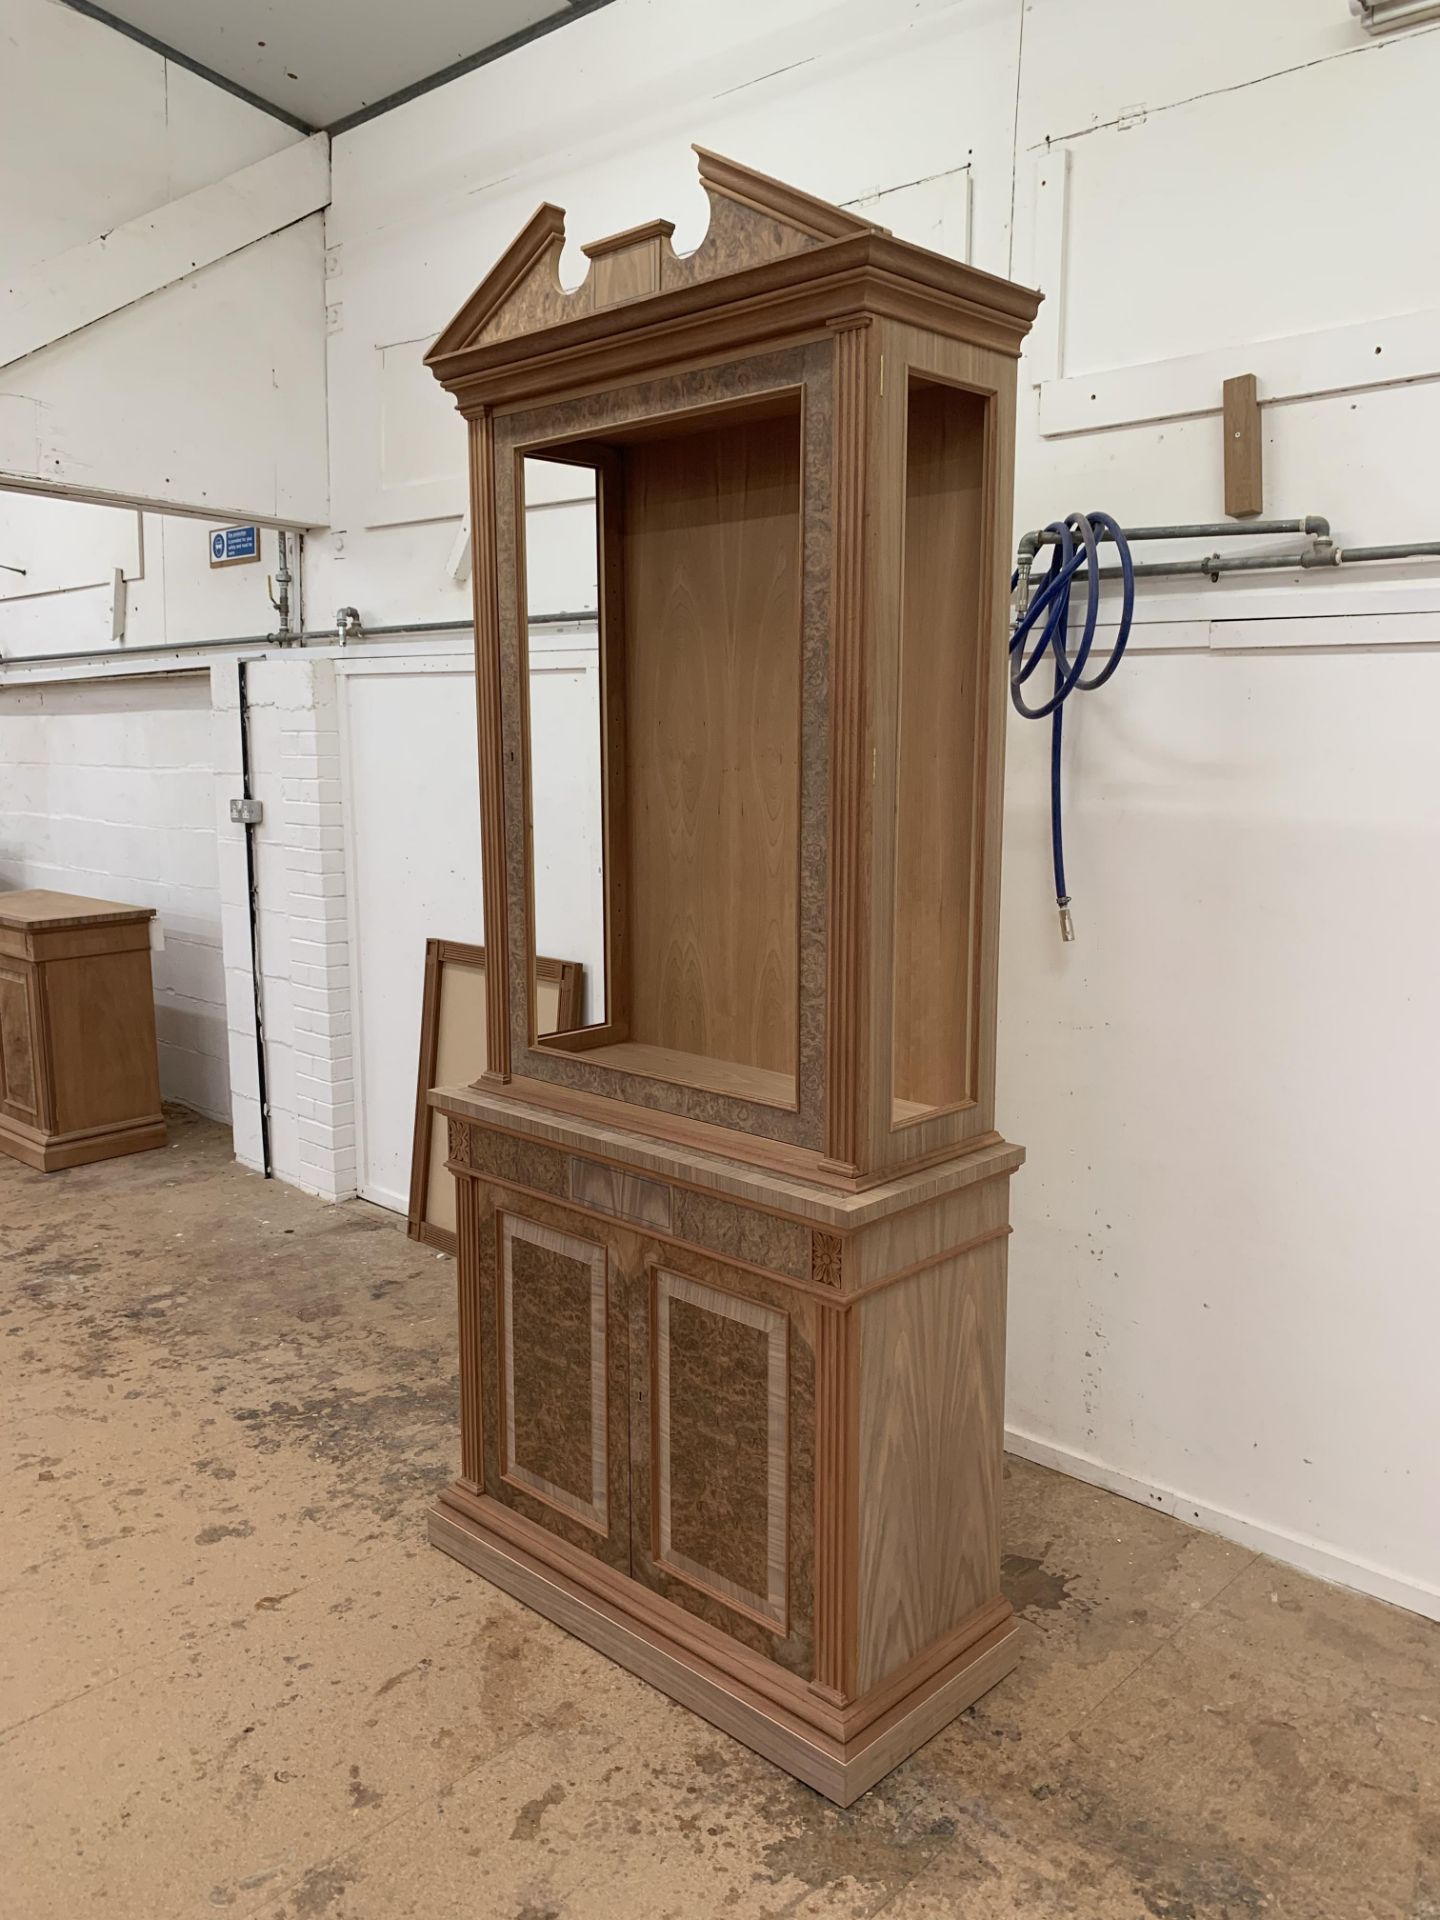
741 1434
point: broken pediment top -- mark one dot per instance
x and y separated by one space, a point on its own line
756 224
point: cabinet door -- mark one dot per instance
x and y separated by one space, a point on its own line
722 1451
19 1075
555 1338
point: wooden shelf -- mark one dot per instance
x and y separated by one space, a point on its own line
729 1077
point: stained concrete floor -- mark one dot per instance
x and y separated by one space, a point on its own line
235 1677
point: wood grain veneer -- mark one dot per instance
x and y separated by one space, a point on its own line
553 1409
1244 448
712 572
489 669
554 1298
665 1650
748 1229
596 1130
847 1061
931 1405
937 717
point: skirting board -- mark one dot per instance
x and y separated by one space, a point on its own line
1294 1550
82 1149
772 1732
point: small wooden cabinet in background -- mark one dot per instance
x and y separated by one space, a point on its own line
79 1078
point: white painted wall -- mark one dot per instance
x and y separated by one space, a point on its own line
106 789
413 810
1223 1266
209 393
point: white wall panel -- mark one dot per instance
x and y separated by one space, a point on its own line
64 601
58 545
413 810
101 130
1236 197
1139 57
209 394
413 814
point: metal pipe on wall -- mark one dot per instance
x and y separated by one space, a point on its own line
316 636
1323 555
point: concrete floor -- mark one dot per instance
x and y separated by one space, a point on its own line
236 1678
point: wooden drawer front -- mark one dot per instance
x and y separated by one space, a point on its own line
19 1078
556 1341
722 1438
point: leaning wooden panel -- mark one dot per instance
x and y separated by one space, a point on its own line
452 1051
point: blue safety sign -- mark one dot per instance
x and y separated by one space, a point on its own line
231 544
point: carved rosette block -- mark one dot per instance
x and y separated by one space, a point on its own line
458 1142
826 1255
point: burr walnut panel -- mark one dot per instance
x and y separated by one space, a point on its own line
553 1365
720 1452
742 1233
554 1356
743 1337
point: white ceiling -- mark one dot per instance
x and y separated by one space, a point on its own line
323 60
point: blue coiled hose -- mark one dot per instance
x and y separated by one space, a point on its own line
1077 542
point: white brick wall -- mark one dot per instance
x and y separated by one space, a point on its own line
105 789
304 942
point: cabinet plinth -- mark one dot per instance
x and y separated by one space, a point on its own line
79 1077
732 1251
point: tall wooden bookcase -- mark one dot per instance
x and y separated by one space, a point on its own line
732 1254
